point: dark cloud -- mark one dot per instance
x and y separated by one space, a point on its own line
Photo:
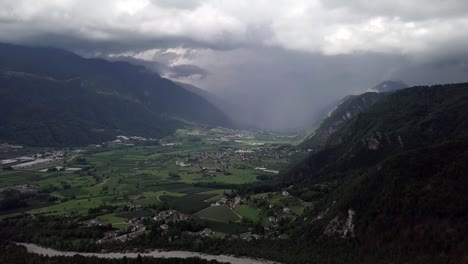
331 27
276 89
278 62
163 68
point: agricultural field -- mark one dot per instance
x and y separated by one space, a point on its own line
190 203
187 172
249 212
115 221
220 213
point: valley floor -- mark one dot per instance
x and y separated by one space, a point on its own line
187 185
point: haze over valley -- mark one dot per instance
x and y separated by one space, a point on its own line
200 131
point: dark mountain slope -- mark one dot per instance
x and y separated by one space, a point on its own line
92 94
412 204
196 90
345 110
403 120
50 113
395 176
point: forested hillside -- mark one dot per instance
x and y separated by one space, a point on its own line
344 111
51 97
397 174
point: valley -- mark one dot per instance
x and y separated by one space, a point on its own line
130 185
381 172
110 159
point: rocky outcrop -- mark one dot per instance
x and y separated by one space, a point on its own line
341 226
378 139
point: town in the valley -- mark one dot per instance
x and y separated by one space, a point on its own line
187 185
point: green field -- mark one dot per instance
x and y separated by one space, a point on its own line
80 206
221 214
110 176
115 221
191 203
248 212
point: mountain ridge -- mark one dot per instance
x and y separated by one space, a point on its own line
346 109
156 104
392 177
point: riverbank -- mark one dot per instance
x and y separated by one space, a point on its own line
32 248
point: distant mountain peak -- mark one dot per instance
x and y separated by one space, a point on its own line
389 86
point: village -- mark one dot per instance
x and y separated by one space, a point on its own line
174 224
180 187
223 160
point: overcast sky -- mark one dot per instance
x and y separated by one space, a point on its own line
280 62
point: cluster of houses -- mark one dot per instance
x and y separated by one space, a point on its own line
206 232
137 228
121 236
276 152
171 215
232 136
210 171
220 157
136 138
225 157
165 217
267 233
230 202
279 215
216 156
122 140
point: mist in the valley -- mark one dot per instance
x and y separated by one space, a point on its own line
275 89
280 90
271 66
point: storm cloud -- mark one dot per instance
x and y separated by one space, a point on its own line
279 62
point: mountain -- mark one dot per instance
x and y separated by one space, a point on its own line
218 101
52 97
393 178
345 110
221 103
204 94
389 86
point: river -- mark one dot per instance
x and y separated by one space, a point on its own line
32 248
